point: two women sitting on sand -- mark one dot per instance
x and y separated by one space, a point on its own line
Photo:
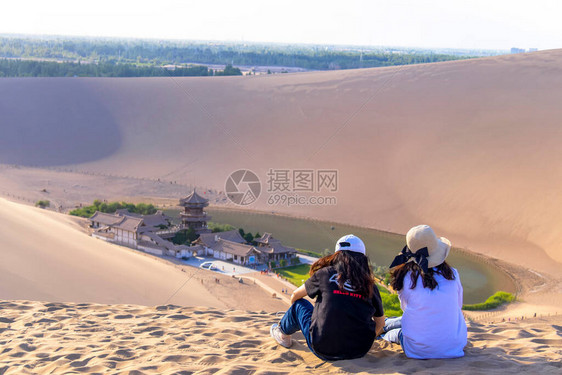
348 312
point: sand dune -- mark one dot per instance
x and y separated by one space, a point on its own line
91 338
46 256
470 147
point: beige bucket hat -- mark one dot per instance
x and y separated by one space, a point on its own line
423 236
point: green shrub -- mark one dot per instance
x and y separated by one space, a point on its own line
391 304
87 211
185 237
249 237
295 260
495 300
42 204
216 227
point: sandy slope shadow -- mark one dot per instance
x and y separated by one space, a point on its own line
47 122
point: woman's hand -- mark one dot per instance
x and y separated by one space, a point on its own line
299 293
379 325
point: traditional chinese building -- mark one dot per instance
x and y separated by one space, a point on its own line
232 247
142 232
194 215
272 250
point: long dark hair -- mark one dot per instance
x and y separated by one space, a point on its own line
352 267
398 273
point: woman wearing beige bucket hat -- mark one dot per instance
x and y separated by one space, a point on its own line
430 294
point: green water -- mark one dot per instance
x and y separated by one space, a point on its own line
480 280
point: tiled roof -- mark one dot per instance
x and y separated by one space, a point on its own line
276 248
130 224
149 220
208 239
126 212
194 198
265 238
105 219
234 248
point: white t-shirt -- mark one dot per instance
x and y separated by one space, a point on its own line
433 325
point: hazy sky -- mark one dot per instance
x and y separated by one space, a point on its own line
490 24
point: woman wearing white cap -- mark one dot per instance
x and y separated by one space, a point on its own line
340 325
430 294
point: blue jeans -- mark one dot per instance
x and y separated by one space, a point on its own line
298 317
393 331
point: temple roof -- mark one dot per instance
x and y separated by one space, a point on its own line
105 219
265 238
210 239
128 223
276 248
234 248
153 220
194 198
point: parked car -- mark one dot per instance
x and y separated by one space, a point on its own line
208 266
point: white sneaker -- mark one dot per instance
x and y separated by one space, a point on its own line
281 338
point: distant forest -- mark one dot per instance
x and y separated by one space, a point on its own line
122 58
33 68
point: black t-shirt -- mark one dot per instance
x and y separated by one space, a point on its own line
342 326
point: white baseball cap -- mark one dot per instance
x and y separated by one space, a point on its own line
350 242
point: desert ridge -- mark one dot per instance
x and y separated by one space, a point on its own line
47 256
463 146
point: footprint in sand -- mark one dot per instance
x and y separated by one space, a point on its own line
82 363
157 333
287 356
125 316
27 347
245 344
125 353
178 317
212 359
46 320
147 329
550 342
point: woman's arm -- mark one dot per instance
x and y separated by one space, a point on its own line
379 322
299 293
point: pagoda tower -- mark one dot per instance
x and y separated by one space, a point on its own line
193 216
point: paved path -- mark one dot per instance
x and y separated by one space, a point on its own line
226 268
275 284
307 259
269 282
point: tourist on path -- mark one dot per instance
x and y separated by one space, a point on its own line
430 294
340 325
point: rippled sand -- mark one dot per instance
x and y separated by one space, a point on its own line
58 338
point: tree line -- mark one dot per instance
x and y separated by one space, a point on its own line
33 68
157 53
112 207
